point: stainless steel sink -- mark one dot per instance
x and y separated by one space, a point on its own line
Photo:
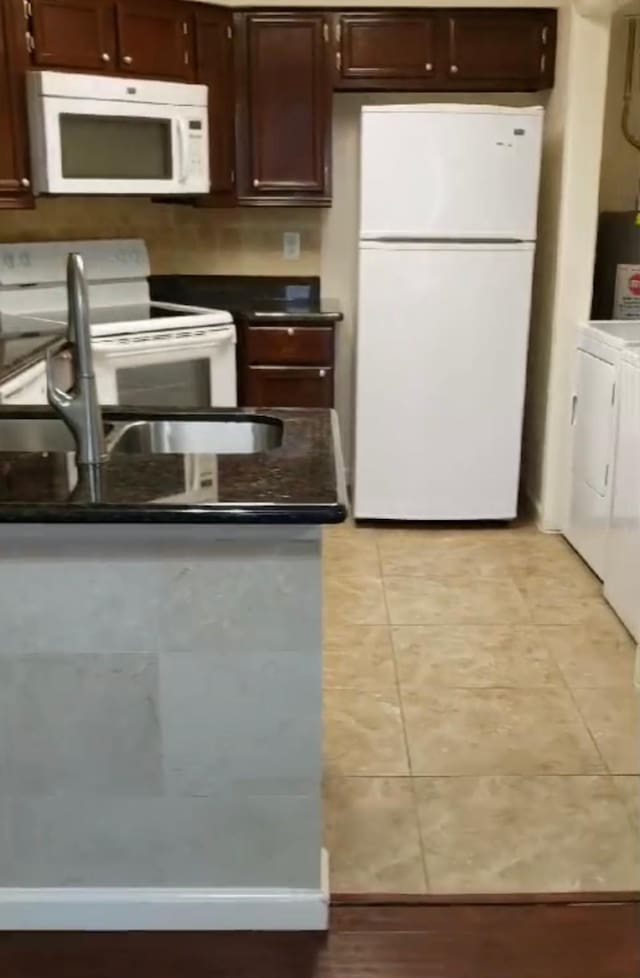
224 436
35 435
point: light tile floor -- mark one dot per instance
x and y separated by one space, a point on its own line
480 715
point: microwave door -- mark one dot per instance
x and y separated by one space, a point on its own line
95 146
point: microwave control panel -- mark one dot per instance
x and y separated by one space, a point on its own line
195 147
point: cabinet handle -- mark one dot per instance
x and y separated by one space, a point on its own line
128 60
105 57
453 69
428 66
322 373
291 331
25 182
338 60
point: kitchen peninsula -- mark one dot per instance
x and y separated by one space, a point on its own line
160 673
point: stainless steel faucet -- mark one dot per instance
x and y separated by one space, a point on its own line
79 409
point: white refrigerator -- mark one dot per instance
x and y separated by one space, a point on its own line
448 209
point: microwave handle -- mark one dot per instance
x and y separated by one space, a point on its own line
181 139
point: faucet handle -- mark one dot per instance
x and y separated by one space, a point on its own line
59 400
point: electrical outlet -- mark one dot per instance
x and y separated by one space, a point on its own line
291 245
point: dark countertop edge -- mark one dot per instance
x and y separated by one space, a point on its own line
248 514
39 353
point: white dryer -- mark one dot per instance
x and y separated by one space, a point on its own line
622 563
594 411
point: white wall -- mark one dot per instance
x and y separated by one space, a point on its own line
565 266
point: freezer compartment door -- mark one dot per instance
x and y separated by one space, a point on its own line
443 173
441 364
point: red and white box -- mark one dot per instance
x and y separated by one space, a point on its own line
626 302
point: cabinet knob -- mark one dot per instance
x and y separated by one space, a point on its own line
128 60
453 69
428 66
290 331
322 373
105 57
256 182
25 182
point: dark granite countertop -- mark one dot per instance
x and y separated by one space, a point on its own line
21 350
301 481
254 298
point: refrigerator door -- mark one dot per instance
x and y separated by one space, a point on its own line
441 363
450 172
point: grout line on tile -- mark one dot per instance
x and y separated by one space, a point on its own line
569 689
416 815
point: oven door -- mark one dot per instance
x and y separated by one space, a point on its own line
142 370
103 146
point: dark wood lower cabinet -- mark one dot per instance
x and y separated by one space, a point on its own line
289 387
287 364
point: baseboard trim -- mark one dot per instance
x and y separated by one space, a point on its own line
165 908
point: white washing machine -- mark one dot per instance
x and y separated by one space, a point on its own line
622 563
594 411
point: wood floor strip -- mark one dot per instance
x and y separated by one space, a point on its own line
412 940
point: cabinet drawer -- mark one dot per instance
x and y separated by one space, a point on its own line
293 345
289 387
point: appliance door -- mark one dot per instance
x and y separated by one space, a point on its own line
449 174
441 363
199 372
622 561
93 146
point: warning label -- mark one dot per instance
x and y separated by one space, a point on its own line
626 303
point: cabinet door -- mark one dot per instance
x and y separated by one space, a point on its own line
383 48
593 419
284 134
288 387
214 49
73 34
154 40
14 160
501 49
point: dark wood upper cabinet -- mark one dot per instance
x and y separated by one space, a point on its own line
390 49
284 103
155 39
73 34
214 67
500 49
15 187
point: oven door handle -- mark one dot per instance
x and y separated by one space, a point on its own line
181 140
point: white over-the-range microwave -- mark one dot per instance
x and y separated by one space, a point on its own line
104 135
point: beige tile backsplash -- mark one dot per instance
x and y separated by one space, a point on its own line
181 238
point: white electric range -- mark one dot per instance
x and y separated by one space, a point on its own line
144 352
